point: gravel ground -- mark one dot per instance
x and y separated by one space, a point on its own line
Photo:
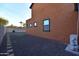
28 45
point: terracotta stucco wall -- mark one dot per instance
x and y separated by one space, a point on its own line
63 21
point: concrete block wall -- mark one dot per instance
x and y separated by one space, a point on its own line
2 33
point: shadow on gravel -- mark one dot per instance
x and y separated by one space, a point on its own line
28 45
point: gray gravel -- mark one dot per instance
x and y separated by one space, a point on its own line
28 45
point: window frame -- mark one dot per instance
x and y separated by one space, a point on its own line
48 25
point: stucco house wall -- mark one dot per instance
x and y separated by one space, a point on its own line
63 20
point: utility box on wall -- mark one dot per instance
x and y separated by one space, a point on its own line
73 41
73 44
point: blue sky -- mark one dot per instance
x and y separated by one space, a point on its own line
15 12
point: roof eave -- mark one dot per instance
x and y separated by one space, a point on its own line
31 5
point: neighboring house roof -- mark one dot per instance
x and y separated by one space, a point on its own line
31 5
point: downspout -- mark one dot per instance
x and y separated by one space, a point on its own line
74 48
78 25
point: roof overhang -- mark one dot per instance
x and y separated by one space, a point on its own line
31 5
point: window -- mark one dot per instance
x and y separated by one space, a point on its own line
46 25
30 25
35 24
